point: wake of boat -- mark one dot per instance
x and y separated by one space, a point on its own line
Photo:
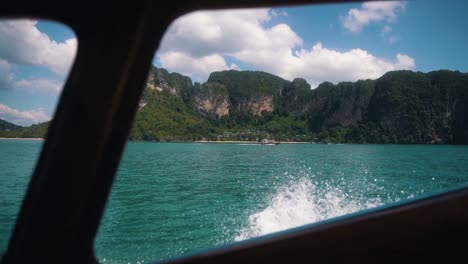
299 203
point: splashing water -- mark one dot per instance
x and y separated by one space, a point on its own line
300 203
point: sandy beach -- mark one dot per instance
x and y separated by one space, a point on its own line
198 141
3 138
248 142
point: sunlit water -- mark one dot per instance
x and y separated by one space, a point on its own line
172 199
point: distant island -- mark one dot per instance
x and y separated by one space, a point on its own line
401 107
9 130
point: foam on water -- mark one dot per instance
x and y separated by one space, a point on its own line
302 202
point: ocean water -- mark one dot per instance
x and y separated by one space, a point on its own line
176 198
17 160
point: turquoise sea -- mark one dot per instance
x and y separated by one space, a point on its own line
177 198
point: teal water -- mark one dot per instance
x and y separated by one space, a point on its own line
176 198
17 160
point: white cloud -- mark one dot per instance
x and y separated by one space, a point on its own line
205 37
23 118
197 68
372 12
321 64
205 33
198 44
39 85
234 67
405 62
22 43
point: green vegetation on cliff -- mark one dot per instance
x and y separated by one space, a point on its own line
399 107
165 117
245 85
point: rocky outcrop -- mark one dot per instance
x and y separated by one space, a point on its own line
219 105
212 106
257 106
211 100
422 108
177 84
245 93
343 105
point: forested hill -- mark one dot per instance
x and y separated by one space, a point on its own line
7 126
399 107
10 130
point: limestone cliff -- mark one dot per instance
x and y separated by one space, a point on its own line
211 100
177 84
399 107
344 104
257 106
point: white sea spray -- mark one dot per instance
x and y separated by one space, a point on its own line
299 203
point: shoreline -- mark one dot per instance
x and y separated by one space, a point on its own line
246 142
221 142
252 142
4 138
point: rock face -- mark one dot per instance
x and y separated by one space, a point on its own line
424 108
344 104
217 107
246 93
211 100
177 84
223 91
259 106
296 98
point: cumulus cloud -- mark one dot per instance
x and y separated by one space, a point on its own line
22 43
36 85
197 68
319 64
404 62
206 37
369 12
198 44
23 118
204 33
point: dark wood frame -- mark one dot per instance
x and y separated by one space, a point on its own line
68 191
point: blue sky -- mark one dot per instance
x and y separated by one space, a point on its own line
335 42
